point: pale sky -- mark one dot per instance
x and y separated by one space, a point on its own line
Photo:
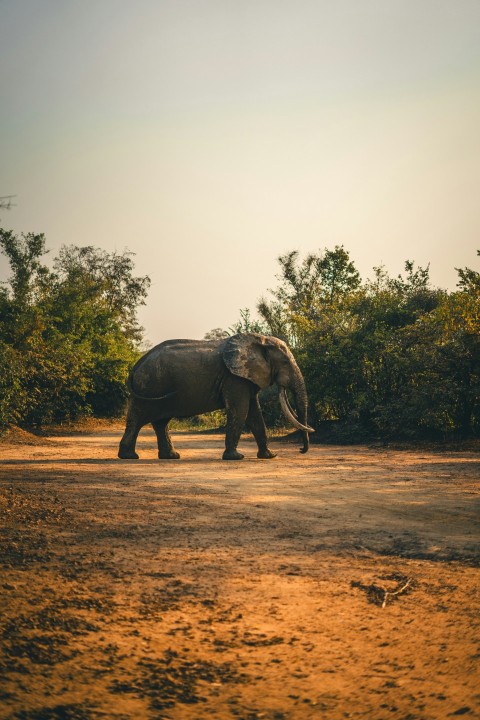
210 136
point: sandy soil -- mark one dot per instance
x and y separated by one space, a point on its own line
197 588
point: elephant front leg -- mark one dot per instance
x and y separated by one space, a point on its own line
237 410
256 424
166 451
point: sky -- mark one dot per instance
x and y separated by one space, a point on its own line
211 136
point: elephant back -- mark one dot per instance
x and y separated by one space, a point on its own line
170 364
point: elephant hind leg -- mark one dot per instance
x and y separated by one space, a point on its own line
166 451
134 424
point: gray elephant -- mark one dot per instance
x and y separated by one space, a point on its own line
181 378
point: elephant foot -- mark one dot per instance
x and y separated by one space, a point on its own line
174 455
266 454
232 455
127 455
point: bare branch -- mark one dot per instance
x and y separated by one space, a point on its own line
6 202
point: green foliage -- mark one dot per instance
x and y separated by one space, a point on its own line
68 335
392 357
246 324
307 292
216 334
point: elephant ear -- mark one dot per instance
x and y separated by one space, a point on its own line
245 355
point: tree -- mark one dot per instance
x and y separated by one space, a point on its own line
107 277
246 324
308 291
393 356
69 335
215 334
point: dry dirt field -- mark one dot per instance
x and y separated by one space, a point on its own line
339 584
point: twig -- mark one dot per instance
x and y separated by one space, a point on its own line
395 592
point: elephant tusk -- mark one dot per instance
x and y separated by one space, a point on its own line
289 414
290 407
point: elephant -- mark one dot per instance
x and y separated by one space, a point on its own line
182 378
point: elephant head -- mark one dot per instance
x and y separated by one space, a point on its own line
267 360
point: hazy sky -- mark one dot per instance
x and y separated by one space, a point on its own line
210 136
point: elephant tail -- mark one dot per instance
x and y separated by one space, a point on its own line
144 397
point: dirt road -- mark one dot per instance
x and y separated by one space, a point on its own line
339 584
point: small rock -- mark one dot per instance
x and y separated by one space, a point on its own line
462 711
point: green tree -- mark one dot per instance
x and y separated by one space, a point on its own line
216 334
247 324
393 356
308 292
107 280
69 334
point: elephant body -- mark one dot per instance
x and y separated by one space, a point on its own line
182 378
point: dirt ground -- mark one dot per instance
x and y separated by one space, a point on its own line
339 584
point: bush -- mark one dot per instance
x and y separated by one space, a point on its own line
393 357
68 336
